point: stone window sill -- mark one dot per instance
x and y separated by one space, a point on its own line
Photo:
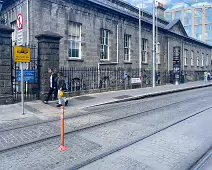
127 62
76 59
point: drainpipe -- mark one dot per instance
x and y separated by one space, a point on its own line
168 57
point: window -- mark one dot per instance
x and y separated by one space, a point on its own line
208 32
198 16
169 16
202 59
178 15
144 50
192 58
198 32
208 15
127 47
185 57
197 59
188 17
104 52
207 60
74 40
188 30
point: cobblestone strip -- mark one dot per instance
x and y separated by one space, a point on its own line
17 137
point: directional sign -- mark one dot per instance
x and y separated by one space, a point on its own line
21 54
20 22
29 76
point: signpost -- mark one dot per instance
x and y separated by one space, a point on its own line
22 55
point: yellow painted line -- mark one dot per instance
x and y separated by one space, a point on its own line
58 114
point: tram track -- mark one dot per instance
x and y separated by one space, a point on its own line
107 121
114 150
96 111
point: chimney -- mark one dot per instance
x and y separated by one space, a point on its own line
161 10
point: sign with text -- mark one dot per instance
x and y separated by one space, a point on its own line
21 54
29 76
19 37
136 80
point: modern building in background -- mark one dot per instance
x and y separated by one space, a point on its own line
196 17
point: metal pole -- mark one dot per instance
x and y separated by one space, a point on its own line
153 46
22 88
139 41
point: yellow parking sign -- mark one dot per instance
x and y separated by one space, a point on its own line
21 54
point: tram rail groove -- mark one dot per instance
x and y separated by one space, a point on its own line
87 127
87 112
202 160
103 155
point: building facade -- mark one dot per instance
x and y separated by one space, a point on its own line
106 32
196 17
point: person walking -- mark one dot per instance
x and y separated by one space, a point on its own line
61 86
205 76
209 77
53 86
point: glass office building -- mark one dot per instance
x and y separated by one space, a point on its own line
196 17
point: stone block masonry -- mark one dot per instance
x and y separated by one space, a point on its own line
5 65
48 56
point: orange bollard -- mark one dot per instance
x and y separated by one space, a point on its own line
62 147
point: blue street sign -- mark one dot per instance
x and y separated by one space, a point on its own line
29 76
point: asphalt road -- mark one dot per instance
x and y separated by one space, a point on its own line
141 118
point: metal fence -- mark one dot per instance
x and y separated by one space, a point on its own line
105 79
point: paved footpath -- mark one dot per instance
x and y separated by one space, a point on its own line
175 148
36 110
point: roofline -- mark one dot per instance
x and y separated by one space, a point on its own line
148 22
137 18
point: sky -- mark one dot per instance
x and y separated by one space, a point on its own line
147 4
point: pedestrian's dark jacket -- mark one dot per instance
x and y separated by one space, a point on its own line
60 83
54 80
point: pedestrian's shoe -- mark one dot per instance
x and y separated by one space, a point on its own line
46 102
59 105
66 103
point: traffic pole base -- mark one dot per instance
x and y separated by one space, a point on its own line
62 148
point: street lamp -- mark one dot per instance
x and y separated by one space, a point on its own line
153 45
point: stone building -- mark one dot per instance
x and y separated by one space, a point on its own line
106 32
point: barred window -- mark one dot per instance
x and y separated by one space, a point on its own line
192 58
144 50
197 59
104 51
202 59
207 60
127 39
74 40
185 57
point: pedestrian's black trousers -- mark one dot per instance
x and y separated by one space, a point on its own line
51 90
